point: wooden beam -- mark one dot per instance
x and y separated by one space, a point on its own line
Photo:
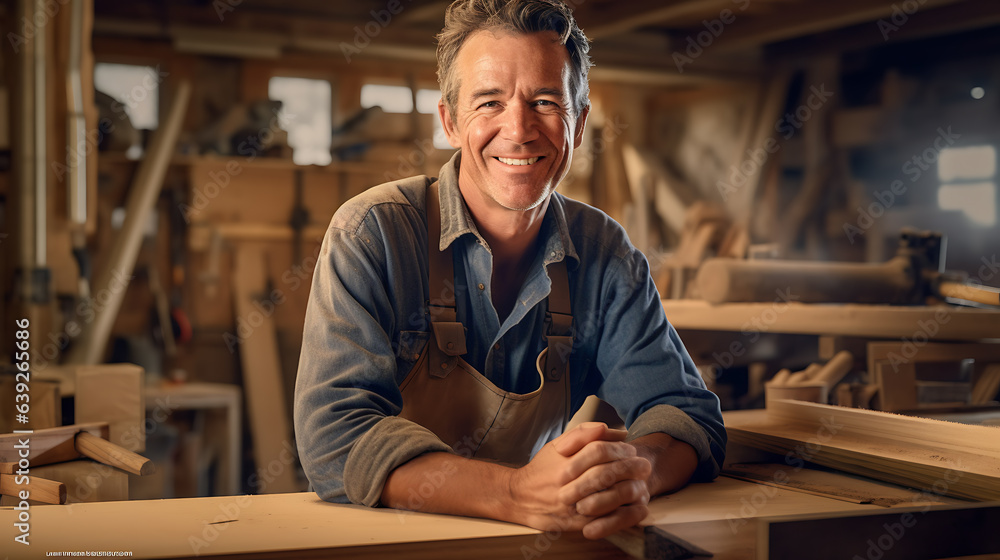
927 22
807 18
622 17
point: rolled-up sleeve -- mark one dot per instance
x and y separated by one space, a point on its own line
347 396
648 375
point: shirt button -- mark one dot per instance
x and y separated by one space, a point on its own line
481 286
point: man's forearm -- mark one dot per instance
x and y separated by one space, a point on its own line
451 484
673 462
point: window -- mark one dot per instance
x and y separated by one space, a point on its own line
399 99
305 114
137 88
968 182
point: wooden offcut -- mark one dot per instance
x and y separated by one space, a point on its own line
38 489
941 457
85 480
262 373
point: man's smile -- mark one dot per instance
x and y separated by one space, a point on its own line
516 161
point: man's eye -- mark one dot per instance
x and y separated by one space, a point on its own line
490 104
546 103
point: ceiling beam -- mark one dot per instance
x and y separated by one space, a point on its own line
598 23
430 12
806 18
946 20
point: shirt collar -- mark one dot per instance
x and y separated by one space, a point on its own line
456 220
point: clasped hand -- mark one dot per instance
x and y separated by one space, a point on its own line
587 479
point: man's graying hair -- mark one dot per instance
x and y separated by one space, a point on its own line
465 17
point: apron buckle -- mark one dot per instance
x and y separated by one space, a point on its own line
559 350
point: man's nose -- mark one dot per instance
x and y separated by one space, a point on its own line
520 123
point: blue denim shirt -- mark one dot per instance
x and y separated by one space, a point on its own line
366 324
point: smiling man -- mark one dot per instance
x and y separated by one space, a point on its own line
456 323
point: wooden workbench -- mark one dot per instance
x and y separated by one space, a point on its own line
301 526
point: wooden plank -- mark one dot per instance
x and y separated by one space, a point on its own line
946 458
736 501
880 321
923 533
39 489
269 419
51 445
830 484
200 235
297 525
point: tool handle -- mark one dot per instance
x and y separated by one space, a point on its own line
977 294
103 451
39 489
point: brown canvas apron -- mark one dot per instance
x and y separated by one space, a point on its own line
448 396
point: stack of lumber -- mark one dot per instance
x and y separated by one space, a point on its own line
945 458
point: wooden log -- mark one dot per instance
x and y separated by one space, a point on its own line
730 280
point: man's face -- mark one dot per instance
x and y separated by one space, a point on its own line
514 119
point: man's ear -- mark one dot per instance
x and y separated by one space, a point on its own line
581 123
450 131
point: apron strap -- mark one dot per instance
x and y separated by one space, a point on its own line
449 334
560 319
